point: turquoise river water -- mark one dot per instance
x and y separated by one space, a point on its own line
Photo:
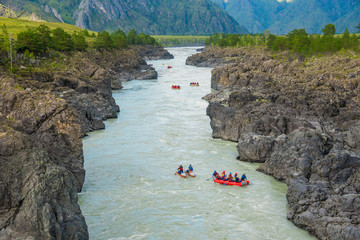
131 192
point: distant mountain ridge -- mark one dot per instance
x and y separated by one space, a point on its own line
158 17
282 17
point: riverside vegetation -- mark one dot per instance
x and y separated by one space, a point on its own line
298 41
51 95
297 114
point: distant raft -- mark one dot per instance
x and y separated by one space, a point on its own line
194 84
241 184
175 86
169 67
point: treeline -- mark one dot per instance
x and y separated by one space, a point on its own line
302 43
40 40
236 40
297 41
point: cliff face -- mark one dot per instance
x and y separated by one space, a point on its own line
44 111
156 16
41 162
301 120
281 17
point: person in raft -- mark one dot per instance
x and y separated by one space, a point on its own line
216 175
243 177
190 169
230 177
237 179
180 169
223 176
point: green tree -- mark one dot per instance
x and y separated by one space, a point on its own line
62 40
271 41
7 49
103 41
119 39
232 39
86 33
80 43
358 27
45 34
131 37
144 39
31 41
329 30
346 41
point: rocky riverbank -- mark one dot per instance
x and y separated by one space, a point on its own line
45 109
301 119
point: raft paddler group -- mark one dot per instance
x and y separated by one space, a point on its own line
229 178
189 171
225 179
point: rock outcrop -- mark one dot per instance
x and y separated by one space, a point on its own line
41 162
152 53
301 120
45 109
85 81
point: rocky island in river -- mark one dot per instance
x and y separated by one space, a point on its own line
301 119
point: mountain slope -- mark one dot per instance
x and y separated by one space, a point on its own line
282 17
148 16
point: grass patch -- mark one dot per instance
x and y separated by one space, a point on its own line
15 26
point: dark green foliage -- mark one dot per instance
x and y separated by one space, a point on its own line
132 36
45 33
37 41
104 41
80 43
235 40
358 27
329 30
31 40
86 33
119 38
62 41
298 41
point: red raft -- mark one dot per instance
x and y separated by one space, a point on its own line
243 183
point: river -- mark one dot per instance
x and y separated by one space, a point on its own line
131 192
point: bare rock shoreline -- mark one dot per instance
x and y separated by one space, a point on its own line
301 119
45 110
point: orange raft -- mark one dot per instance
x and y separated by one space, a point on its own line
175 87
191 174
243 183
183 175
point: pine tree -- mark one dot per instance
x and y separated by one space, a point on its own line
62 40
103 41
132 37
329 30
80 43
